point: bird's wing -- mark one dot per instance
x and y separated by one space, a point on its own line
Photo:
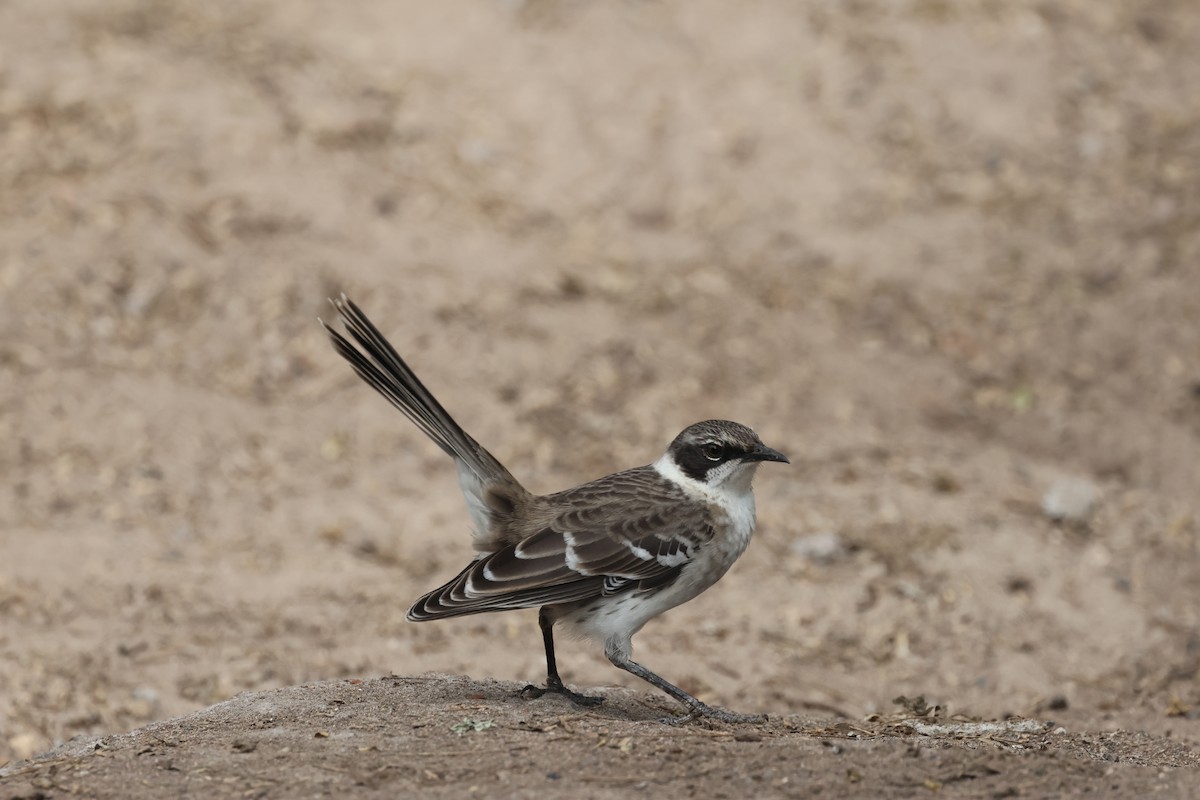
610 539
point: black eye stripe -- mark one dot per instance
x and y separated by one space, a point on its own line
695 462
687 450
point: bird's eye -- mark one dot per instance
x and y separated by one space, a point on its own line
714 451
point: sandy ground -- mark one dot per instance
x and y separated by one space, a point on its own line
446 736
946 255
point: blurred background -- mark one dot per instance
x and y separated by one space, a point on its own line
943 253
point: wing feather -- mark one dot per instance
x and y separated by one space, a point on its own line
631 531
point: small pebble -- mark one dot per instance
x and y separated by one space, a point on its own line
820 548
1070 500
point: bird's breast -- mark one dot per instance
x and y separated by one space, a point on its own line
735 524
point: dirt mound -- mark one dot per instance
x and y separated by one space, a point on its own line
442 736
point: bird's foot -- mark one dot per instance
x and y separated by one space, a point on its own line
719 714
556 687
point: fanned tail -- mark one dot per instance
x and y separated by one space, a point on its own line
381 366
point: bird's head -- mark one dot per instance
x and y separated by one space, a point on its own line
720 453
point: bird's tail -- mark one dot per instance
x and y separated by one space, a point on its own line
380 365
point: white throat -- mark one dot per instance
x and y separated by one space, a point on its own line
734 494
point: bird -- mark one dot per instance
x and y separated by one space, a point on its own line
600 559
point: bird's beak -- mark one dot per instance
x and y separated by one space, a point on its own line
764 453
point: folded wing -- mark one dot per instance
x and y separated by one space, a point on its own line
612 543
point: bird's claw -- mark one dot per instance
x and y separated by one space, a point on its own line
558 688
721 715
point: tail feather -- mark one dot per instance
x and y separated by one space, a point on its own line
453 600
386 372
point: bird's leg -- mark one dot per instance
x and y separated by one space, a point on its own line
695 708
554 683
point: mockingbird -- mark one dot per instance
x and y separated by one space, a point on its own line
602 558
